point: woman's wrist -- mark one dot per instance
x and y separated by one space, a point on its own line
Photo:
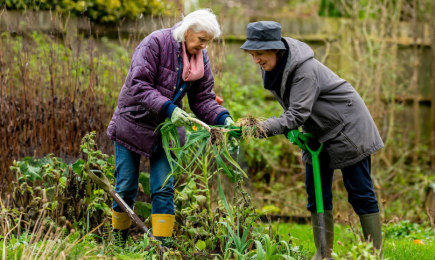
168 108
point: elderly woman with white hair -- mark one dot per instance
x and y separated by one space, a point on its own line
167 65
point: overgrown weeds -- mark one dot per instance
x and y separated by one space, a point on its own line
52 95
64 191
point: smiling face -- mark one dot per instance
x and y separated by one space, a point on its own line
196 41
267 59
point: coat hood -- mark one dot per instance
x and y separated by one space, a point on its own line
299 52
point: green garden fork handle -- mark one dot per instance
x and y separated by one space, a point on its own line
317 180
100 179
317 190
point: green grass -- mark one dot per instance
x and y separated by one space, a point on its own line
301 235
407 249
344 238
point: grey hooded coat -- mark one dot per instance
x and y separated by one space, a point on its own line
326 106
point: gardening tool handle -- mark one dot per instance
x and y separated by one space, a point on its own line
317 191
319 196
317 180
130 212
133 216
100 179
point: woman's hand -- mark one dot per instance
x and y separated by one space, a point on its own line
237 131
228 121
297 138
180 117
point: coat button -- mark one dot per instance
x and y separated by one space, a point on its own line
175 87
176 69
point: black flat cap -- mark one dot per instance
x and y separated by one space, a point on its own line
264 35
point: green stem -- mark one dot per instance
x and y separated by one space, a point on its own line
205 181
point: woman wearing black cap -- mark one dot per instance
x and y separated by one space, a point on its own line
328 107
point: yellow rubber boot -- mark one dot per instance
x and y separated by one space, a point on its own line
121 224
163 225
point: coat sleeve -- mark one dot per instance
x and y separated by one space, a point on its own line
202 99
303 94
141 76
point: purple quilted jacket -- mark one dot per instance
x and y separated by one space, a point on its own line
151 81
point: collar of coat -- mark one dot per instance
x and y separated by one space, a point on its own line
298 53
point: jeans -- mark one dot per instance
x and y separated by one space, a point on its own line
127 180
357 182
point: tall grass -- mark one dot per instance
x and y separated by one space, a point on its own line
55 90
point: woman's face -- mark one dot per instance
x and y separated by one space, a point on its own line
196 41
267 59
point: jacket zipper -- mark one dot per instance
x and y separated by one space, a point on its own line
348 139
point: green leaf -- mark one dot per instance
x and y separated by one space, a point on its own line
142 209
101 162
78 166
223 199
259 250
221 163
200 245
200 199
200 151
111 160
33 173
62 181
191 184
54 205
233 162
144 180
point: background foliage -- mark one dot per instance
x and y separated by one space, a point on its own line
97 10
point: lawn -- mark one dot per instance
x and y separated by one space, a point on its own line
394 248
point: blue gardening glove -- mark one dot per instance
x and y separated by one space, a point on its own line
179 117
297 138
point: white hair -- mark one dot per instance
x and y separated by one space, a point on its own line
203 20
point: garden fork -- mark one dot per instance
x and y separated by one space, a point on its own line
100 179
317 189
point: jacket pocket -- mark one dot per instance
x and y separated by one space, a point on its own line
331 133
348 139
134 112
